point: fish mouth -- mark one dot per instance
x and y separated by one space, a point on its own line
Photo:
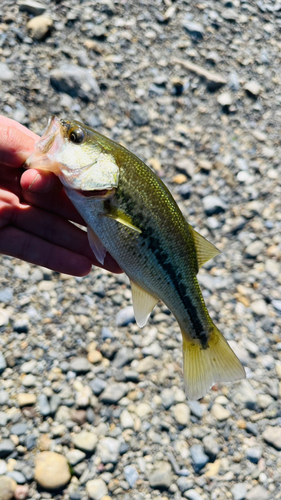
102 194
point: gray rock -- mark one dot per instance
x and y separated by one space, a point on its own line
4 397
139 116
21 325
239 491
254 249
32 7
125 316
211 447
3 419
75 456
30 441
246 395
253 454
6 75
161 476
6 447
29 366
80 365
213 205
3 467
44 406
199 457
196 408
6 295
17 476
258 493
131 475
75 81
168 398
18 429
184 484
97 385
106 333
108 450
185 166
113 393
123 357
3 364
55 402
195 30
272 436
192 495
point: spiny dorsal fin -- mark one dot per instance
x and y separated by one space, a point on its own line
204 249
96 246
120 216
143 304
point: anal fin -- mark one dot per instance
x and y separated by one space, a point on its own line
203 367
96 245
204 249
143 303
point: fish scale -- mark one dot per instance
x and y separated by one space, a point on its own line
131 214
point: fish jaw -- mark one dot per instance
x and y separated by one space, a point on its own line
84 167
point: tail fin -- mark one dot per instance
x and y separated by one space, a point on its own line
204 367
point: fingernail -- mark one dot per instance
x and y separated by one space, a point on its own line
40 184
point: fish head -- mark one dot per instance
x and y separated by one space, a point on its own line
75 154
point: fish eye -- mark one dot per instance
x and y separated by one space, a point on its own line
77 135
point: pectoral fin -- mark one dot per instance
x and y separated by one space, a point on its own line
204 249
120 216
143 304
96 245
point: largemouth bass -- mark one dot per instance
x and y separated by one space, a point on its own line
131 214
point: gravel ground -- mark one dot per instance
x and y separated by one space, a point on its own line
90 406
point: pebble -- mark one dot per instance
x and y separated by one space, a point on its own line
272 435
3 364
75 81
85 441
21 492
211 446
161 476
254 249
6 294
7 487
17 476
192 495
125 316
80 365
32 7
239 491
44 406
195 30
97 385
181 413
225 99
96 489
146 364
39 27
74 457
253 88
258 493
253 454
113 393
108 450
259 307
131 475
6 75
6 447
51 470
3 419
26 399
213 205
184 484
18 429
3 467
126 420
199 457
220 413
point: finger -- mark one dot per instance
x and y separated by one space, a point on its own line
8 122
25 246
49 227
44 190
15 146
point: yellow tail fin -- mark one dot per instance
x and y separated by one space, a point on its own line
204 367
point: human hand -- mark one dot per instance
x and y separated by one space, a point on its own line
35 212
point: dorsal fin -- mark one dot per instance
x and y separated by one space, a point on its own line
204 249
143 304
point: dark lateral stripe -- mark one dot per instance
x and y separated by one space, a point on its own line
164 262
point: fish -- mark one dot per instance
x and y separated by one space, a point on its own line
130 213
